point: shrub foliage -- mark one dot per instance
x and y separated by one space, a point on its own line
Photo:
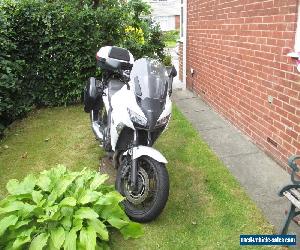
47 48
62 209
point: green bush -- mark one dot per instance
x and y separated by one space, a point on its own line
172 35
62 209
167 61
48 48
11 68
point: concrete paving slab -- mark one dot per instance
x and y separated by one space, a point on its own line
183 94
227 141
195 103
177 84
260 176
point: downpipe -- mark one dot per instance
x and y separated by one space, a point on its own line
134 169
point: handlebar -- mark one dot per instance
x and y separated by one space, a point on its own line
293 165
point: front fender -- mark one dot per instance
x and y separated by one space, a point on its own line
151 152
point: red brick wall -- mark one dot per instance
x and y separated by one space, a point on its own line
238 50
177 22
180 57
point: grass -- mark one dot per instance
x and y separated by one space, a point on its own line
170 38
207 208
170 44
46 138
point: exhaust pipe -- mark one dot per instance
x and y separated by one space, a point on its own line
97 131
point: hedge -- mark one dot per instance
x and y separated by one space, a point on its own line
47 48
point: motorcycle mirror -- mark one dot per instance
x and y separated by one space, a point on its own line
173 72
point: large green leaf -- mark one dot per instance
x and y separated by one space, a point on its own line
110 198
70 241
89 196
39 242
37 196
26 210
12 206
20 241
117 223
68 201
86 213
44 182
51 213
112 211
18 197
64 184
67 211
25 187
132 230
56 173
57 236
6 222
60 188
100 228
51 246
98 180
87 238
22 223
23 238
77 224
87 175
66 222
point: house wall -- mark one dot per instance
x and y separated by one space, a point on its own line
177 22
238 50
166 23
180 61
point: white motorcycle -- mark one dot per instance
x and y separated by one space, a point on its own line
129 108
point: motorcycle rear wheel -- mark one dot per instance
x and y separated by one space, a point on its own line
149 200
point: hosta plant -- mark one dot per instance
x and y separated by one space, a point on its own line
60 209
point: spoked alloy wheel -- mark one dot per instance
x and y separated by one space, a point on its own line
149 200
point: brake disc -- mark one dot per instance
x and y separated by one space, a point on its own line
143 188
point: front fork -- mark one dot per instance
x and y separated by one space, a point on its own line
134 164
134 167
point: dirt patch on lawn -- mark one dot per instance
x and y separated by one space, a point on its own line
106 167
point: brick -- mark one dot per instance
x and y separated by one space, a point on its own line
294 118
289 108
238 50
283 98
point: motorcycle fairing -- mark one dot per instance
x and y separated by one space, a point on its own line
148 151
121 101
152 103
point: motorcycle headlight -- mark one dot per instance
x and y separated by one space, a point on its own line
134 117
163 120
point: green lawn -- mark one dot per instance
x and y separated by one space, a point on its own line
207 208
170 44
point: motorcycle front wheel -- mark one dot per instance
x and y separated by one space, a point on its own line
150 198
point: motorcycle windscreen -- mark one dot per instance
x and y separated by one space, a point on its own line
150 79
150 87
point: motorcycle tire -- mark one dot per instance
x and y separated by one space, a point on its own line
149 200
